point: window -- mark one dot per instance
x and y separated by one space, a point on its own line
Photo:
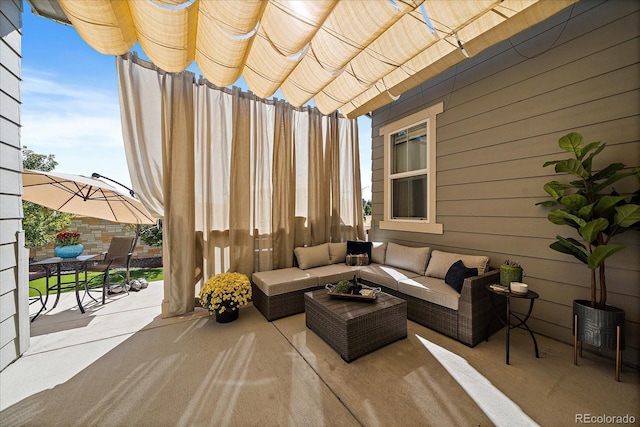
410 173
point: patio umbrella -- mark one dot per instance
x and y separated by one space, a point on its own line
81 195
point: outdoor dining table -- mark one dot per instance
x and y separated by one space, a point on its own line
79 264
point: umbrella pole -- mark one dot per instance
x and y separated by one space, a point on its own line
135 241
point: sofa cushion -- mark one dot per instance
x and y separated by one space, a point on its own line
332 273
378 252
440 262
355 247
337 252
312 256
457 273
432 290
385 275
407 257
281 281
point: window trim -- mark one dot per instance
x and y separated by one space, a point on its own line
430 225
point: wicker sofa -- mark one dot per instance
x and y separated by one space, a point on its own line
416 274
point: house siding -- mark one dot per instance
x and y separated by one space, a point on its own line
14 310
504 111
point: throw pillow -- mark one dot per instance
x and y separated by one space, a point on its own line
314 256
357 247
357 259
337 252
407 257
457 273
440 262
378 251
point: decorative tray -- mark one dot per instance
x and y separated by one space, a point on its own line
367 293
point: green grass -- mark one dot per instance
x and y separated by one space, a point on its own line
150 274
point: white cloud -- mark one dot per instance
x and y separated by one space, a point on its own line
79 124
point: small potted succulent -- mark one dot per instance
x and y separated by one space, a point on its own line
510 271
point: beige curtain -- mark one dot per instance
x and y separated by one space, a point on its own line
319 199
240 180
142 130
157 121
284 186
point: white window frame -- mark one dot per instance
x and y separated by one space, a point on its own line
423 225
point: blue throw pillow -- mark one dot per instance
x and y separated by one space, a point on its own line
457 273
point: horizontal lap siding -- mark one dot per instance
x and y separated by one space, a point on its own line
14 322
503 115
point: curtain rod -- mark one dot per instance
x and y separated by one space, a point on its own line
202 81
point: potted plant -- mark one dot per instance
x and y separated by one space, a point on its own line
68 245
590 205
510 271
224 293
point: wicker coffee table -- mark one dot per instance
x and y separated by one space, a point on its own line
354 327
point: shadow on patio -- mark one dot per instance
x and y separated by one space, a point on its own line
121 364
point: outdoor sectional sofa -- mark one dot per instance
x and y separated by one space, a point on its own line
416 274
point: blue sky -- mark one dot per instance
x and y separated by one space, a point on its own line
70 104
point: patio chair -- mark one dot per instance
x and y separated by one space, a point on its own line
117 257
37 298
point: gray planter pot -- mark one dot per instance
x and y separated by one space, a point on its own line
597 327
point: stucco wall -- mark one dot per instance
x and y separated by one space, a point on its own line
504 111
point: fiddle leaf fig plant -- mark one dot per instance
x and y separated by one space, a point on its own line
591 206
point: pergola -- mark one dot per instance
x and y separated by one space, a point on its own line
350 56
353 56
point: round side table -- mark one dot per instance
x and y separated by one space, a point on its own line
521 321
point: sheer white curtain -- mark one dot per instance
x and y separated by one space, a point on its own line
240 180
142 128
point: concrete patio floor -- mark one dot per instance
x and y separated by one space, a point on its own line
122 364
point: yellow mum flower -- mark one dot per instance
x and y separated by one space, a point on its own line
225 291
